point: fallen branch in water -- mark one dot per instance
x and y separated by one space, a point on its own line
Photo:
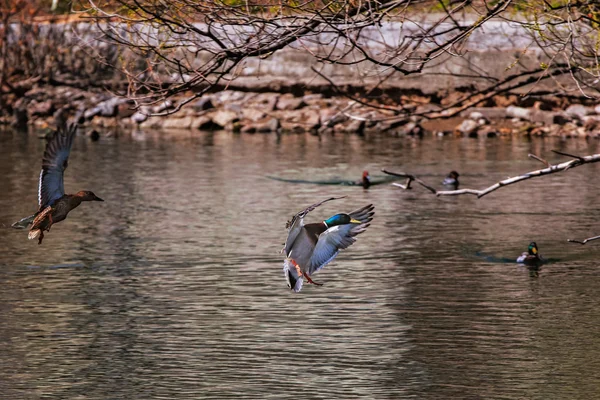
550 169
409 179
583 241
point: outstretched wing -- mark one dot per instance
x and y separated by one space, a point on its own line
54 163
297 221
339 237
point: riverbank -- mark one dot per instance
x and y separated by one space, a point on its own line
248 111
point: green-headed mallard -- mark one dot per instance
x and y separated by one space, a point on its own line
54 204
531 257
309 247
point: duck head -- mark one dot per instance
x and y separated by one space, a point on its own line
453 175
86 195
533 249
340 219
366 179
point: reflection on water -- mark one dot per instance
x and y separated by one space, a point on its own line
172 288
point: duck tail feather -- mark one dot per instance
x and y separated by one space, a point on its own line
294 281
24 222
33 234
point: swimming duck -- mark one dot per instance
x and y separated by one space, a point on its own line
54 204
309 247
451 179
366 180
531 257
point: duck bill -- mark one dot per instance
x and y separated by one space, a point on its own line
355 221
96 198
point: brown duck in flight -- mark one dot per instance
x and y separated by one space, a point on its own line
54 203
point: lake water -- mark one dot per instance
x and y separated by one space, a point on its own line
173 289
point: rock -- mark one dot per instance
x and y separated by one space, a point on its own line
475 115
332 117
577 111
205 123
266 126
43 108
352 126
290 103
412 129
229 96
203 104
591 123
177 123
597 109
533 115
264 101
488 131
107 108
165 105
140 115
125 109
312 120
253 114
272 125
153 122
224 117
236 108
467 127
312 98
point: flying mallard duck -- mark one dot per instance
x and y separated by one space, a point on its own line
531 257
54 203
451 179
310 247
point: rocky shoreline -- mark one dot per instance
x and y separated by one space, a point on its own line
264 112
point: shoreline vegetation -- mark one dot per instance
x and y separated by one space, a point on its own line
49 73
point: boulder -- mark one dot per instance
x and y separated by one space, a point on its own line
253 114
265 126
352 126
125 109
204 103
164 106
107 108
205 123
224 117
533 115
577 111
177 123
467 127
290 103
43 108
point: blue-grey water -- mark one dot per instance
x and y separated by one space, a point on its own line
172 288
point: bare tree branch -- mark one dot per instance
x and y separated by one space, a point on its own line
551 169
583 241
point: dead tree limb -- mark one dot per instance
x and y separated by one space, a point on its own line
409 179
551 169
583 241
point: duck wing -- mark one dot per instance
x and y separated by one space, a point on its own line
54 163
339 237
297 222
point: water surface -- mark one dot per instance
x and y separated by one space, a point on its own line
172 288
